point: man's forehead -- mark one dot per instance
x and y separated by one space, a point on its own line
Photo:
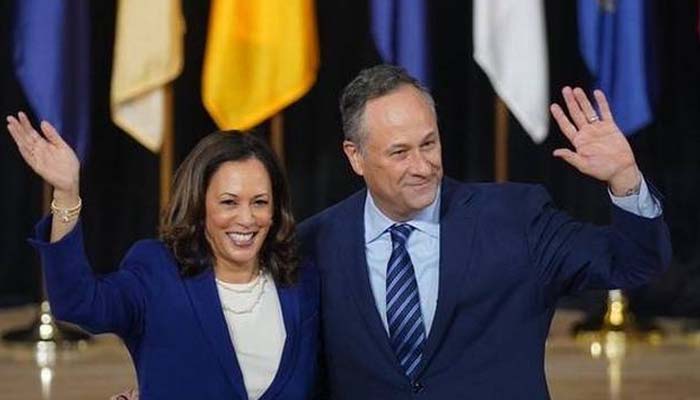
402 94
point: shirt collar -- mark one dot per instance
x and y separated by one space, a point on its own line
376 223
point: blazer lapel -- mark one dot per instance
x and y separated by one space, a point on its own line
457 227
353 262
207 306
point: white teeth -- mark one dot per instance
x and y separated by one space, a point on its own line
241 238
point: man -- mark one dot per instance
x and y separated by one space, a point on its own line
436 289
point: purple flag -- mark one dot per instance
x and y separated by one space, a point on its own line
616 48
51 57
400 32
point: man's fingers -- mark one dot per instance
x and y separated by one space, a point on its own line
567 128
573 107
588 110
602 101
570 157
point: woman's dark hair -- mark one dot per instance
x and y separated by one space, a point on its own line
182 225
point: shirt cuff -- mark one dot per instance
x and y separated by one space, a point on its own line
642 204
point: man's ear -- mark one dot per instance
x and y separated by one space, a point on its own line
352 152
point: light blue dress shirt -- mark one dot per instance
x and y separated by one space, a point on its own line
424 247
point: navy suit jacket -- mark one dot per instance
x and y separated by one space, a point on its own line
174 327
506 256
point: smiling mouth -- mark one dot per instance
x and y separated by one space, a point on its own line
242 239
421 184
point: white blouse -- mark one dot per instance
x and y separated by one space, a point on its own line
256 326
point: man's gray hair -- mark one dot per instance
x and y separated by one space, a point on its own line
369 84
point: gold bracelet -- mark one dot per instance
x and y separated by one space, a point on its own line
66 215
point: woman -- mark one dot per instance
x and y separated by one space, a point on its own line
215 309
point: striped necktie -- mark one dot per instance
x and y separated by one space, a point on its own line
403 313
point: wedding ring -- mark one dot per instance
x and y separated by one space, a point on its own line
592 119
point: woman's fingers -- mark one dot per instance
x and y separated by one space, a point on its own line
21 135
34 137
17 133
33 148
24 149
24 121
11 130
31 139
52 134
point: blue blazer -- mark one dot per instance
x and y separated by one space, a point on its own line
506 256
174 327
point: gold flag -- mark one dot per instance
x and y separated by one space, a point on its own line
148 51
261 56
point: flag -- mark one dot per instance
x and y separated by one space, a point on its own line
510 46
147 56
51 57
261 56
400 32
615 47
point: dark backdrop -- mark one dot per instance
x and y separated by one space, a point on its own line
120 178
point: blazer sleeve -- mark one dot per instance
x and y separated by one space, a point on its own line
571 256
111 303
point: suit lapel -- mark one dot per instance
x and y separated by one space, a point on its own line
457 228
353 261
207 307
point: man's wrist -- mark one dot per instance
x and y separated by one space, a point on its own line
626 183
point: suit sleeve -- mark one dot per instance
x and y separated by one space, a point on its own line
571 256
111 303
307 232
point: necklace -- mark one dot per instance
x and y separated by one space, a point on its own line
247 287
256 291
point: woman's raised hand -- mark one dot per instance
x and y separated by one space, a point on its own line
48 155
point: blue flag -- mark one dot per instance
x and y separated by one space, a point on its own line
51 55
400 33
616 49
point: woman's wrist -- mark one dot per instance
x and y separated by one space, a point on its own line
66 198
66 214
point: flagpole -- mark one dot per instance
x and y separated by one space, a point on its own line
167 150
277 136
500 140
